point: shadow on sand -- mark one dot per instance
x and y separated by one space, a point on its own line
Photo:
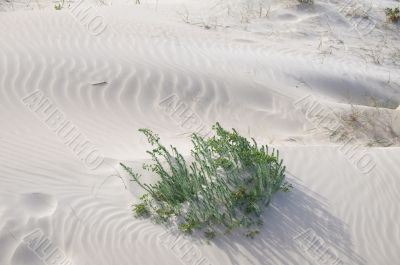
287 224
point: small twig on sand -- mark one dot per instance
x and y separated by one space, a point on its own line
99 83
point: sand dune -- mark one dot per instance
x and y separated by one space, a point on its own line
60 205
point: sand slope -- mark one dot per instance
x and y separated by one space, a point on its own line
149 69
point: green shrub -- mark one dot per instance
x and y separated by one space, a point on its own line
393 14
226 186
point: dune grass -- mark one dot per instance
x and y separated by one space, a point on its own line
226 186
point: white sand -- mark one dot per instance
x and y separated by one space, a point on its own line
251 76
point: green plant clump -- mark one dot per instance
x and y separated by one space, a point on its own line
393 14
226 186
59 5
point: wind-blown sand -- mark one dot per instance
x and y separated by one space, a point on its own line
275 79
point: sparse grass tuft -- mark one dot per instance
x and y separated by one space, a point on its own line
227 185
309 2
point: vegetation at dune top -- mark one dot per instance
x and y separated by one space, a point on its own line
393 14
225 187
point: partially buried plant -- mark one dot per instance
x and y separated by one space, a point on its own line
226 186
